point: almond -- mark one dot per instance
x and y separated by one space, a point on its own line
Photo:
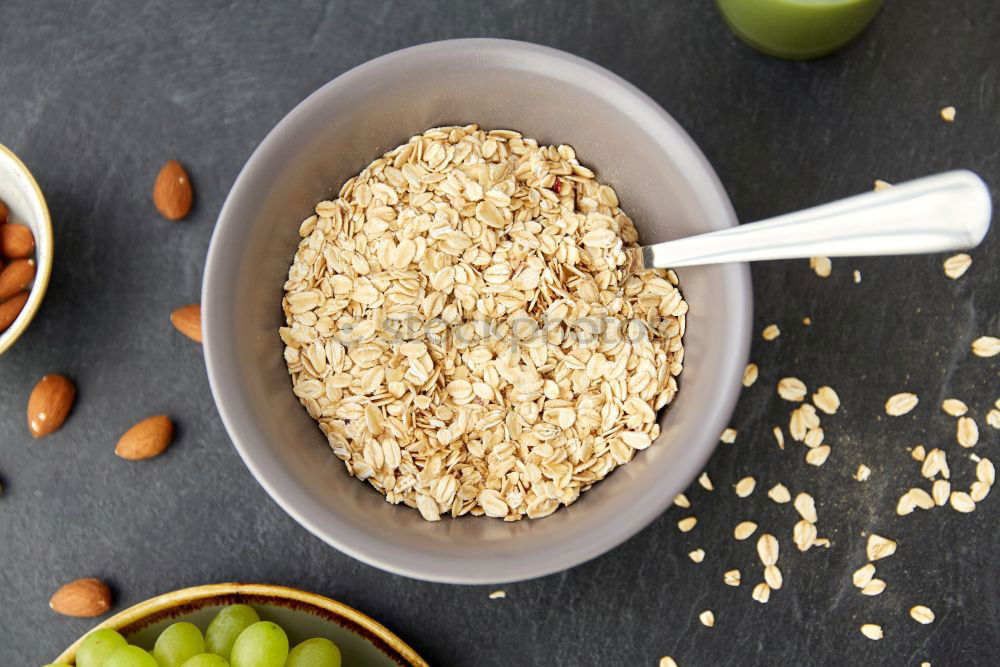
172 192
49 404
146 439
16 241
83 598
15 277
187 320
11 308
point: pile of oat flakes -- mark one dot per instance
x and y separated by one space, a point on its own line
463 324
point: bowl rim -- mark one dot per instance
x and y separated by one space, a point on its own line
43 258
297 504
185 596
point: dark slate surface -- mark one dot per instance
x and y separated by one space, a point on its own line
95 96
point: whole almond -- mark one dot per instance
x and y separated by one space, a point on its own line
146 439
83 598
11 308
172 192
15 277
49 404
187 320
16 241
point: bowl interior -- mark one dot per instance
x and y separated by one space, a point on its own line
663 183
26 205
361 640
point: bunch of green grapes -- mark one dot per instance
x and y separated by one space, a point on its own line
236 637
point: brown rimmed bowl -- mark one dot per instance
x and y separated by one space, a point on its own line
362 640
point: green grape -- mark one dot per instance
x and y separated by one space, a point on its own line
97 646
129 656
263 644
177 643
314 653
206 660
227 626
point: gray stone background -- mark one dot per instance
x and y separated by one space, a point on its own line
95 96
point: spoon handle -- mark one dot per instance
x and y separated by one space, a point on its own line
942 212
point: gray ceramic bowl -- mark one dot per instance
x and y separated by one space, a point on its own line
663 182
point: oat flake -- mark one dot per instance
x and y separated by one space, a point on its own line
900 404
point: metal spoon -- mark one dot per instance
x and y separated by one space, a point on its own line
948 211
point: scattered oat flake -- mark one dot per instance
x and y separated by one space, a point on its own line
918 453
773 577
985 472
979 490
941 491
761 592
728 436
750 374
771 331
767 549
818 456
791 389
779 437
779 494
986 346
705 481
993 417
862 473
681 500
873 587
956 265
948 114
962 502
954 407
905 505
821 265
805 505
697 555
804 535
967 433
922 614
881 185
822 542
667 661
857 277
707 618
921 498
863 575
496 595
900 404
826 400
936 463
686 524
814 437
731 577
879 547
806 321
745 486
872 631
744 529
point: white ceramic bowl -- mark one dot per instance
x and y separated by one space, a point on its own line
26 202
